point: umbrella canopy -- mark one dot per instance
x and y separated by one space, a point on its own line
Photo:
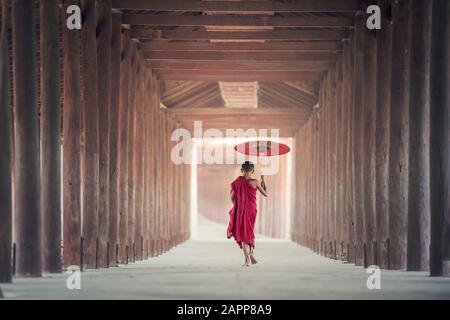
262 148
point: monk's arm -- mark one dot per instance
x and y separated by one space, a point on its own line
233 195
262 188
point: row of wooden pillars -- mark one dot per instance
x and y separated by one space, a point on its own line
373 167
122 197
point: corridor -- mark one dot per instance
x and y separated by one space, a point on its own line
212 270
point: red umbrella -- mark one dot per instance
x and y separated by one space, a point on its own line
262 148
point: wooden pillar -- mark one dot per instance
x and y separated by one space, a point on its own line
6 154
131 150
384 47
348 48
123 143
419 163
399 134
27 206
104 25
147 164
440 140
71 143
50 137
138 156
369 88
339 141
113 233
91 135
332 159
358 134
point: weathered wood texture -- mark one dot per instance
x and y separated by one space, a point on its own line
90 150
419 162
50 137
71 143
399 134
6 154
27 204
123 143
114 137
104 34
384 47
440 140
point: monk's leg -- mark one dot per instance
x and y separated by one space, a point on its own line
246 255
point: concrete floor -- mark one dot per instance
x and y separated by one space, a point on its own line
212 270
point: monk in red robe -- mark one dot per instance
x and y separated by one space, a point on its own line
243 213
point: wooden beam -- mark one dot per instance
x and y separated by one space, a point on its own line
418 252
114 136
50 137
330 46
241 56
384 45
229 21
280 35
123 143
6 212
91 135
72 134
399 134
104 34
237 76
369 117
27 218
440 137
240 66
213 112
131 152
242 6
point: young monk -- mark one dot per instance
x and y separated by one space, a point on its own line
243 213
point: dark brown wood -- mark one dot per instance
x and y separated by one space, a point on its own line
236 7
240 56
240 66
104 25
6 213
348 136
138 154
419 162
279 35
50 137
114 136
71 143
384 47
399 134
237 76
369 88
230 21
339 141
439 142
358 145
123 142
131 145
91 135
330 46
27 218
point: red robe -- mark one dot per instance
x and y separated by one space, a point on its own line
243 213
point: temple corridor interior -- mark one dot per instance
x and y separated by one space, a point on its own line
95 96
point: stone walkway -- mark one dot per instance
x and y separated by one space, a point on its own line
212 270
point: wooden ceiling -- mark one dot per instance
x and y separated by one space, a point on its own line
272 53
